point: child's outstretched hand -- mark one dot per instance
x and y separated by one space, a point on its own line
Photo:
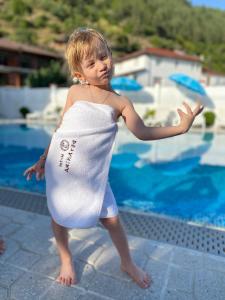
38 167
186 119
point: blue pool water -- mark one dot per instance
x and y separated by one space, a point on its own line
182 177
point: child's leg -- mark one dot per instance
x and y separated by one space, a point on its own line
119 239
67 274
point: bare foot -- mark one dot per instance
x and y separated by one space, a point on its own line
138 275
67 275
2 246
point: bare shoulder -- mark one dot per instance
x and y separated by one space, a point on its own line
120 102
73 91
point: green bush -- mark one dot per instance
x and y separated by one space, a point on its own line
24 110
209 118
47 75
150 113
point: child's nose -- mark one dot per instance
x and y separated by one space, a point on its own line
102 65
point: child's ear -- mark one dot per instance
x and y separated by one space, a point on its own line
78 75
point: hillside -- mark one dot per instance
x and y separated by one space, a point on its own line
128 25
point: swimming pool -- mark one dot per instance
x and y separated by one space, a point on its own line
182 177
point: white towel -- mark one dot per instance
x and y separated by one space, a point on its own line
77 166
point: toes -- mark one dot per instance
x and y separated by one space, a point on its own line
67 281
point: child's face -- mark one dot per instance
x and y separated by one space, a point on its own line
97 69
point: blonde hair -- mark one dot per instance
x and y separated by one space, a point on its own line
83 42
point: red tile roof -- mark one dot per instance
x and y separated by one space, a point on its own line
212 72
160 52
19 47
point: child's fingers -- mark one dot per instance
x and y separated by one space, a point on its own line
199 108
180 112
189 111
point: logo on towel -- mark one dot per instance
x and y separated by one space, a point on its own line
65 158
64 145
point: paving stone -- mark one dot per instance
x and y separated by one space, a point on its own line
60 292
213 262
23 259
85 273
11 247
94 296
118 289
158 271
162 253
180 279
3 221
37 240
9 229
145 245
17 215
209 285
89 252
8 211
109 262
95 235
177 295
187 259
43 221
47 265
3 293
30 286
76 247
8 274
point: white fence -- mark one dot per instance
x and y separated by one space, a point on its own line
163 99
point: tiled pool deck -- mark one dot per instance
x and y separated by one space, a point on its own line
30 262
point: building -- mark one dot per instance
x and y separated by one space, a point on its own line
18 60
154 65
212 78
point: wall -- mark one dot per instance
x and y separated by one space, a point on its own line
164 99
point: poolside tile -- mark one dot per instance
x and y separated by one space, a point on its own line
180 279
157 270
96 235
186 258
48 265
17 215
3 221
119 289
10 229
89 252
23 259
38 240
30 286
209 285
9 274
177 295
11 248
214 262
109 262
60 292
3 293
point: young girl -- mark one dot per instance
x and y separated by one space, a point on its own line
77 161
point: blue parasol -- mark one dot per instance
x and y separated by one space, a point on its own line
188 82
125 84
192 88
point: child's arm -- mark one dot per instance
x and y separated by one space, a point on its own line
136 125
